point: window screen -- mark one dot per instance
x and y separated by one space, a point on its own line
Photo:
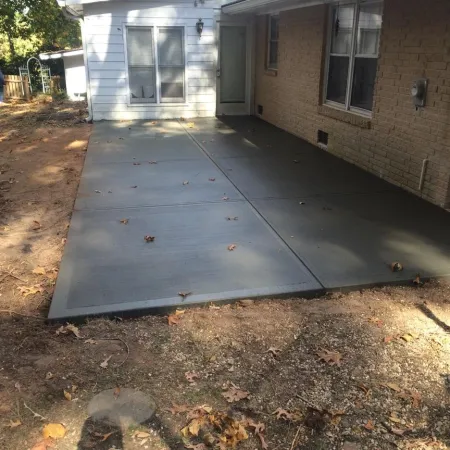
272 51
171 64
141 65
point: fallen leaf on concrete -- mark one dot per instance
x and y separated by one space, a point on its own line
284 414
39 271
67 395
136 164
173 319
133 187
124 221
234 394
330 357
211 179
274 351
149 238
54 431
36 225
225 198
177 409
184 294
104 364
191 376
97 191
153 162
369 425
231 247
14 424
232 218
396 266
190 124
185 183
90 341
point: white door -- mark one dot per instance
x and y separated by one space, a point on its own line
233 73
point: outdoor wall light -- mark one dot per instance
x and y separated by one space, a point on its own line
199 26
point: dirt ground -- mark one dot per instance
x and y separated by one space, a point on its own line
362 370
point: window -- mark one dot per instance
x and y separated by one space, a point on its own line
353 54
156 79
272 44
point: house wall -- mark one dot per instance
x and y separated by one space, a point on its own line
104 36
75 77
415 43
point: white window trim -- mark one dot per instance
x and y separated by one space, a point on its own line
269 33
155 30
346 107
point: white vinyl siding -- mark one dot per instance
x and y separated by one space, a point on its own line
106 26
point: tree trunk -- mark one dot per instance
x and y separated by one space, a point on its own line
11 46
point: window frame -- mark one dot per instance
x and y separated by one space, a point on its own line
269 41
351 68
155 32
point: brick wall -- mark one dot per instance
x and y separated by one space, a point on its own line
415 43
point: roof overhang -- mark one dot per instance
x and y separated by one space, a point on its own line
270 6
60 54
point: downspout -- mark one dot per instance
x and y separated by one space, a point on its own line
73 15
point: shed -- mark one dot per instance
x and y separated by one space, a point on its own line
74 69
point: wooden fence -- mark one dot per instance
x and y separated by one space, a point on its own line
16 89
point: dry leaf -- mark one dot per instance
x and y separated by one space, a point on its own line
225 198
414 396
388 339
74 330
184 294
173 319
196 446
14 424
124 221
234 394
330 357
31 290
43 445
185 183
394 418
153 162
36 225
287 415
133 187
104 364
54 431
48 376
211 179
116 392
417 280
231 247
177 409
90 341
232 218
190 124
141 434
149 238
136 164
68 396
39 271
191 376
393 386
369 425
407 337
274 351
97 191
104 437
396 267
397 431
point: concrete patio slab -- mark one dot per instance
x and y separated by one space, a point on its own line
307 221
109 268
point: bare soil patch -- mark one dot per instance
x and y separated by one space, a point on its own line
362 370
